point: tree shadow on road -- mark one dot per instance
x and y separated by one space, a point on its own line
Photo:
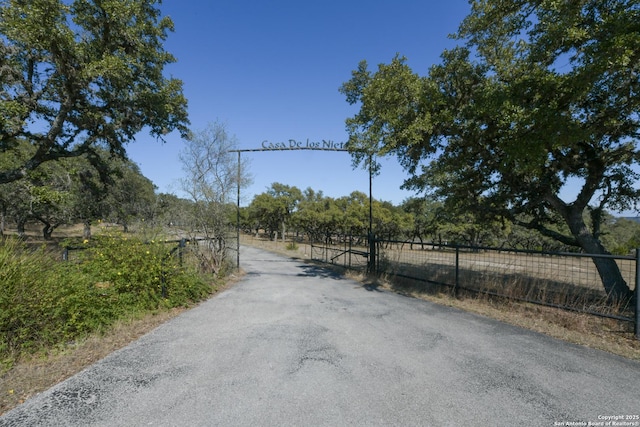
316 271
372 287
371 284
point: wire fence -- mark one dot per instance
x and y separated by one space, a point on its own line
188 250
558 279
348 252
71 253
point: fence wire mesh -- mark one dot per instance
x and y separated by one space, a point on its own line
348 252
565 280
560 279
205 254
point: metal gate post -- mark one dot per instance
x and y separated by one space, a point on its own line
238 218
372 254
457 279
636 295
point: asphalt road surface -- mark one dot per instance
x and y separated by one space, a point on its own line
295 345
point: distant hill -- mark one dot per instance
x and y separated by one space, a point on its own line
632 218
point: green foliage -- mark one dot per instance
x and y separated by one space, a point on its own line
83 74
46 302
73 190
541 92
141 274
130 195
274 210
621 235
316 215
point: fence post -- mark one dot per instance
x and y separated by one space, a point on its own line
457 283
372 253
636 295
183 244
326 251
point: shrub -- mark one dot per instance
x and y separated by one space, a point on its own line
45 302
142 275
32 299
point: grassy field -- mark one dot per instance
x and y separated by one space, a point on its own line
575 271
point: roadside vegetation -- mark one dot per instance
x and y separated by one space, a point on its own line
113 286
46 303
137 258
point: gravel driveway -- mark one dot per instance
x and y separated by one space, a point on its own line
295 345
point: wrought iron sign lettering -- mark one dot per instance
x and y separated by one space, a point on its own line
293 144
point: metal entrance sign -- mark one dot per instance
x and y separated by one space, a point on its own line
293 144
322 145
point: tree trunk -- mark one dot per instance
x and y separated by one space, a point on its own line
21 224
614 284
47 231
86 231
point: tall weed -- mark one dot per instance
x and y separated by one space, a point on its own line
45 302
28 300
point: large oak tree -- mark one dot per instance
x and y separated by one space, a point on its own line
540 94
76 75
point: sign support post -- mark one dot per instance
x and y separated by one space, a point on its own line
238 219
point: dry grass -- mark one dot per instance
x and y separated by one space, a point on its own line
578 271
590 331
303 250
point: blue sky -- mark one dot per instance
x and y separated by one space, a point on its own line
270 70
